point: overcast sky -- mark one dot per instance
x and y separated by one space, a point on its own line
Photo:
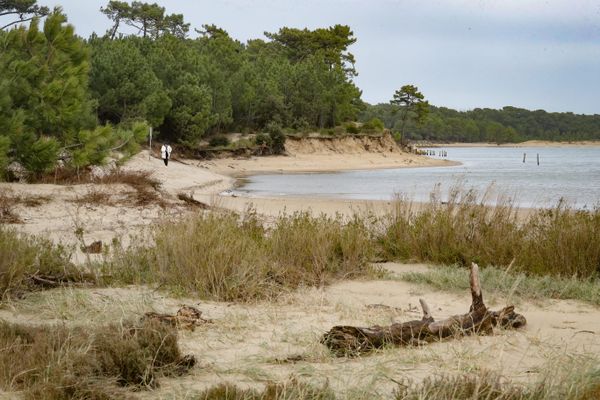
536 54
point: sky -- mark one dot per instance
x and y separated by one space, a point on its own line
462 54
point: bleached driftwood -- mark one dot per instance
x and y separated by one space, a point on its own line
351 340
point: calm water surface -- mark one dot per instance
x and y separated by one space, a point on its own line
569 173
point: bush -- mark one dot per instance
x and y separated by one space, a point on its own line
352 128
374 125
56 362
264 140
277 137
219 141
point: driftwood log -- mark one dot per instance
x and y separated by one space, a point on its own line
351 340
187 317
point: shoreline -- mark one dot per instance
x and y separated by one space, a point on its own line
320 163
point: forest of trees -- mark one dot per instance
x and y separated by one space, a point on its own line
66 98
507 125
70 101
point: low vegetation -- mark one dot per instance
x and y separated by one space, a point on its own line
509 284
26 262
8 201
56 362
218 257
558 241
281 391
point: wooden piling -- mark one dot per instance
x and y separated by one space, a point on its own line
538 158
524 156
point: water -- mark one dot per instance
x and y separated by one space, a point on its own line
571 173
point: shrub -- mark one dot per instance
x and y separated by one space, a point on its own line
219 141
352 128
56 362
374 125
262 139
277 137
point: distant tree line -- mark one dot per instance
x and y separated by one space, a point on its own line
64 98
509 124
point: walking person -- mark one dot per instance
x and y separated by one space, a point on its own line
165 153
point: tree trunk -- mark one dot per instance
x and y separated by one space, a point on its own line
350 340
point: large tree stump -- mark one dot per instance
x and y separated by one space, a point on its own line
351 340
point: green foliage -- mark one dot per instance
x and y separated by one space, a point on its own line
373 125
4 147
215 83
277 137
411 105
122 81
352 128
36 155
219 141
509 124
22 10
148 19
263 140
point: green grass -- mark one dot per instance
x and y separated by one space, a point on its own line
217 256
509 284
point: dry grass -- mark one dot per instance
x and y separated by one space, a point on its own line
8 201
292 390
574 379
560 241
55 362
483 386
216 256
96 197
23 258
7 213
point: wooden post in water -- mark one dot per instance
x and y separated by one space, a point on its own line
524 156
538 158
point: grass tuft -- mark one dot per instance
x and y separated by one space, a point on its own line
23 258
217 256
292 390
559 241
55 362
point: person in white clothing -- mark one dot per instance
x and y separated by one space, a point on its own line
165 153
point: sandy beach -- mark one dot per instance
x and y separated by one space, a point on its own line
251 343
62 215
